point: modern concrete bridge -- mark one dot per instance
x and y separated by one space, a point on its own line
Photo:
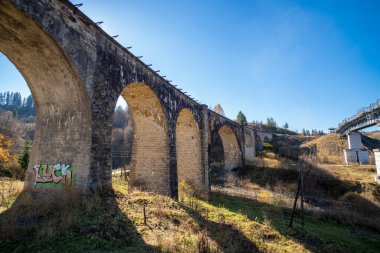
76 72
364 118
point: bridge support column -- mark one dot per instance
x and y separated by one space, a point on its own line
243 148
355 153
206 139
249 146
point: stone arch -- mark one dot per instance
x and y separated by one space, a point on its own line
232 153
258 143
63 124
250 151
188 149
216 152
150 151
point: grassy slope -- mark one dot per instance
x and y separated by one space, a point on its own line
320 235
222 224
329 146
374 135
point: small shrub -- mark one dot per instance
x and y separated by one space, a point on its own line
12 170
350 196
203 243
269 147
5 172
376 192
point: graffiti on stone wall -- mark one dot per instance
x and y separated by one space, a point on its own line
57 174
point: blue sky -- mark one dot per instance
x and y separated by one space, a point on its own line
308 63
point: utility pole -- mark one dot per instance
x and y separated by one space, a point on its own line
302 198
300 188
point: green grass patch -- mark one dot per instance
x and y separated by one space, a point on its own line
320 235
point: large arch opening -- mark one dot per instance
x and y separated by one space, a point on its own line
188 148
122 138
258 144
232 154
63 123
149 165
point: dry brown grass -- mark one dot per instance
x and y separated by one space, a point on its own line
374 135
42 215
9 190
326 189
191 225
355 173
329 148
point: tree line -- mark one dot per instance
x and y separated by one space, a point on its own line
15 103
269 124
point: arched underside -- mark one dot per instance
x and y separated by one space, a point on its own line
63 125
258 143
249 148
188 147
216 152
232 156
150 151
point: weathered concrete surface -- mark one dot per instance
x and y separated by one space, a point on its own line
355 152
63 125
250 147
77 72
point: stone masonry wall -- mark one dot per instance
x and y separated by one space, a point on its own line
232 154
76 73
150 151
188 146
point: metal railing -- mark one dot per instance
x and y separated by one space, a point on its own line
364 117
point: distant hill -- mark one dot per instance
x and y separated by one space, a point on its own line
329 146
268 129
373 135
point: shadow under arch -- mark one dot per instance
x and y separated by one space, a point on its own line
258 143
188 149
150 151
231 148
63 123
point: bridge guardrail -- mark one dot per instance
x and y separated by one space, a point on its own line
364 116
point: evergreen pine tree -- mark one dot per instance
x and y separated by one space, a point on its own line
241 118
24 158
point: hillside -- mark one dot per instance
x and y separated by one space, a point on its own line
374 135
329 147
249 211
225 223
191 225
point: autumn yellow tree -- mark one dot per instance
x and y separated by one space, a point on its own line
5 149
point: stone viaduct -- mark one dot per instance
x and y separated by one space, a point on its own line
76 72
